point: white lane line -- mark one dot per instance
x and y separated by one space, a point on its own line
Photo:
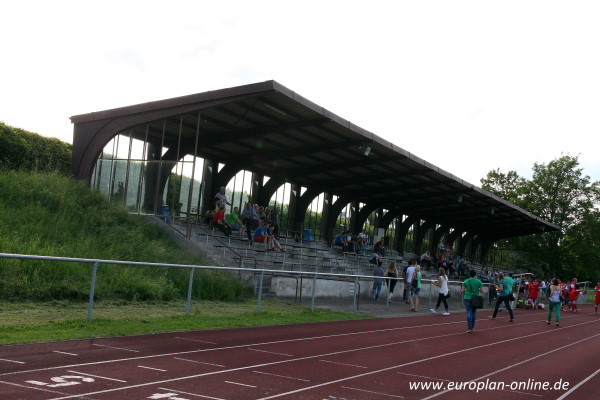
434 358
191 394
519 363
578 385
241 384
340 363
282 376
194 340
199 362
12 361
272 352
96 376
115 348
448 380
337 335
155 369
32 387
64 352
423 377
461 333
372 392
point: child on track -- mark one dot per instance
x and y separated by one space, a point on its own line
573 296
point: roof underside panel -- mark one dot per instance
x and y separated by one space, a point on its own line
270 129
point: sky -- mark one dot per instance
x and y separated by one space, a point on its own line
469 86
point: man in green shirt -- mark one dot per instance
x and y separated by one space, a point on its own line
471 287
233 219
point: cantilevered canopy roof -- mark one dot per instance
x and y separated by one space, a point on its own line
267 128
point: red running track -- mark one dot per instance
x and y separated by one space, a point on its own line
365 359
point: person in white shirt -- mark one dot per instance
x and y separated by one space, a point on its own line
410 271
222 196
442 283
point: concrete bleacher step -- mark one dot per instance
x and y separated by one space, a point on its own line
314 256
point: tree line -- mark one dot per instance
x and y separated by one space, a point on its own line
560 193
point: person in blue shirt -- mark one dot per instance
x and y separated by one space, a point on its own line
377 282
250 218
504 288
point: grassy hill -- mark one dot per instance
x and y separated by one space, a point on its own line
50 214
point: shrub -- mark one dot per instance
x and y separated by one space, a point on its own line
27 151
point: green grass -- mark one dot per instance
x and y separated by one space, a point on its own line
50 214
61 320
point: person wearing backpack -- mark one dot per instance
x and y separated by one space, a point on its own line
471 287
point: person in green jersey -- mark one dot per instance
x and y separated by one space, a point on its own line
470 287
233 219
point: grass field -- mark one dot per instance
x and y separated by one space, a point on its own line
61 320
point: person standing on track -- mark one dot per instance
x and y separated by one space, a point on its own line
555 303
470 287
504 290
442 283
534 287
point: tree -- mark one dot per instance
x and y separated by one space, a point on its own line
559 193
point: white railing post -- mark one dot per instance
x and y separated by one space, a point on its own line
189 295
92 289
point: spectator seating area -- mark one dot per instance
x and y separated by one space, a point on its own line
300 255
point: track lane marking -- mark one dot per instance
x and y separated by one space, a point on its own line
115 348
240 384
329 354
282 376
191 394
567 393
96 376
194 340
64 352
260 344
198 362
517 364
425 359
154 369
33 388
340 363
336 335
372 392
13 361
271 352
423 377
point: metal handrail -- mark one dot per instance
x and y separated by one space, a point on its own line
314 275
227 246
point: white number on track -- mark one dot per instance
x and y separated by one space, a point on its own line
168 396
65 380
